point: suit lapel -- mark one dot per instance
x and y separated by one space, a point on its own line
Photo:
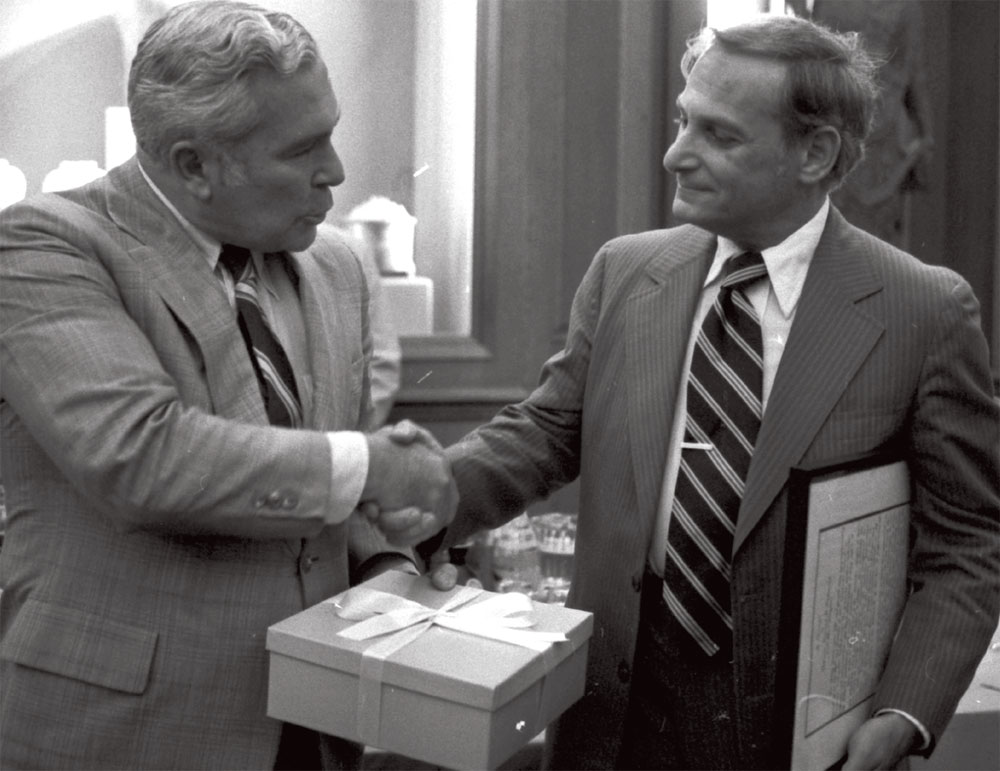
181 276
658 318
830 338
321 314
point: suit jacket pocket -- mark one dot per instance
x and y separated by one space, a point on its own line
76 644
857 431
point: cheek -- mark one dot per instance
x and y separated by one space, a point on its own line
274 202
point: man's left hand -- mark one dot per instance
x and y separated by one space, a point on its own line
881 742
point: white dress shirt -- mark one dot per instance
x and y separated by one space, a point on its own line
279 303
775 300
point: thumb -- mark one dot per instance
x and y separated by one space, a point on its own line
405 432
443 574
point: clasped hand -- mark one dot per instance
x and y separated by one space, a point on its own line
409 493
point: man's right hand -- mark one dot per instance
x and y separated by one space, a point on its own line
407 470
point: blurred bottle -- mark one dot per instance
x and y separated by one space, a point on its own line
514 550
556 535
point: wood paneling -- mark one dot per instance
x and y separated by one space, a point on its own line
953 221
569 139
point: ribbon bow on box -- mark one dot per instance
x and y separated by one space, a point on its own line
500 617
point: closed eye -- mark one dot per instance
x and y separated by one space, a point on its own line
304 149
721 136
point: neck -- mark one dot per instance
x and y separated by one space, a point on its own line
773 233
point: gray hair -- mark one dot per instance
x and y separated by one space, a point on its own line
191 75
831 78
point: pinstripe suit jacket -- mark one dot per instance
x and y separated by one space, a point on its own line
885 351
157 523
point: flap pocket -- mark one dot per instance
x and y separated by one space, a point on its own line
858 431
76 644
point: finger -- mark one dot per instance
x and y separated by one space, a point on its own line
438 558
369 510
444 577
426 526
405 432
400 520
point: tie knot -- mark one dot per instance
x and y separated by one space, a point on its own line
743 268
235 258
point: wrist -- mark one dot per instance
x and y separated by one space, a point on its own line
376 460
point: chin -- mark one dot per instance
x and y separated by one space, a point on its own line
300 239
687 212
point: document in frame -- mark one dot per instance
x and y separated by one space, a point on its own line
847 542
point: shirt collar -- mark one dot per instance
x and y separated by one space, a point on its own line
787 263
208 246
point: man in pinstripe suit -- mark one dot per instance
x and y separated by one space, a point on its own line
160 518
864 348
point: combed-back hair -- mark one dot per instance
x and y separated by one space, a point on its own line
192 72
831 78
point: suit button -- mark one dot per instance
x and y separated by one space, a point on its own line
637 583
260 502
289 502
306 562
624 671
274 500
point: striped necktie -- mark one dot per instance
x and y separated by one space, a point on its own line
274 373
723 412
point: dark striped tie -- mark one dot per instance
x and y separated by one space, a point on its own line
724 411
274 373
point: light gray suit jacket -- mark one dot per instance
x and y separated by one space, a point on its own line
157 523
884 352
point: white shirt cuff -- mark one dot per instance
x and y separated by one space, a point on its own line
919 726
348 472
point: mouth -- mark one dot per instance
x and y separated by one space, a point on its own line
314 219
687 187
319 216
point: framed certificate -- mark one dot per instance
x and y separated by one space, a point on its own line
846 547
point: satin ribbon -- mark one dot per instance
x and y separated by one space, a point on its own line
500 617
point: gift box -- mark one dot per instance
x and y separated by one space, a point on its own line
460 679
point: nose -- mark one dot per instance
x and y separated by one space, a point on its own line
331 170
679 155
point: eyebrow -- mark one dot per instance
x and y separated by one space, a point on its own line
721 121
317 136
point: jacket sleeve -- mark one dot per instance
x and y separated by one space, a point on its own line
952 612
531 449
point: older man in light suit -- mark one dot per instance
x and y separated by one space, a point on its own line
876 351
168 498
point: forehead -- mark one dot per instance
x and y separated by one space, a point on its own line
735 85
300 105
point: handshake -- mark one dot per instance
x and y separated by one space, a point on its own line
409 493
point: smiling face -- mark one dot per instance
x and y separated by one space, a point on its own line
272 188
737 174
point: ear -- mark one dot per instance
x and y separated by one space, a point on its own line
191 167
820 151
